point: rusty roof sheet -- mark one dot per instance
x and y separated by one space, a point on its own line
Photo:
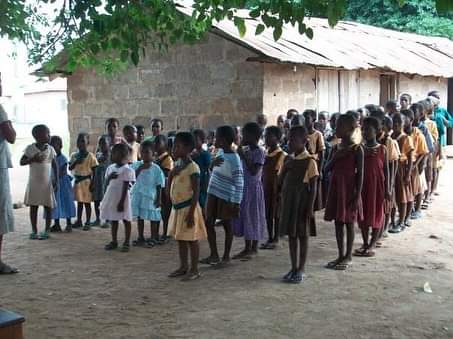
349 45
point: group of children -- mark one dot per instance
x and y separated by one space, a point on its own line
366 167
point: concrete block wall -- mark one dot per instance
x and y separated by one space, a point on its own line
203 85
419 86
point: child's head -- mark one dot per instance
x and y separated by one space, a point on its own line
363 113
405 100
160 144
409 119
147 151
224 137
297 139
200 138
309 118
272 136
345 126
251 134
291 114
140 133
333 120
261 120
41 133
184 145
398 122
211 137
418 110
57 143
391 107
103 145
130 133
356 117
429 108
370 128
281 121
387 124
157 126
83 140
120 154
297 120
322 119
112 125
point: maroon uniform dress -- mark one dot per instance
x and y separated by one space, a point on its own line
373 191
341 189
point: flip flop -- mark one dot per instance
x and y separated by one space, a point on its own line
55 229
191 276
33 236
111 246
43 236
267 246
369 254
177 273
297 278
6 269
360 252
341 267
222 264
209 261
332 264
139 243
287 277
378 244
125 248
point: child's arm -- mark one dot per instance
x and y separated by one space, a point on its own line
252 167
158 201
312 197
75 162
38 157
409 167
320 162
63 170
195 181
55 174
359 156
386 174
120 207
93 174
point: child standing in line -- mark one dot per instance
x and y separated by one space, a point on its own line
83 166
116 205
157 127
112 126
403 186
316 148
130 134
42 181
186 219
275 157
432 127
344 203
393 157
165 162
103 159
419 156
64 197
203 159
251 223
298 180
375 187
146 195
225 192
140 133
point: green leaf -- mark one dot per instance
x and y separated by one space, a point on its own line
255 13
124 55
277 32
240 24
259 29
309 33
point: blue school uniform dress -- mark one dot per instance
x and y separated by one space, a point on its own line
144 192
203 160
65 207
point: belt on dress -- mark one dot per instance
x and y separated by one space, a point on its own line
183 204
80 178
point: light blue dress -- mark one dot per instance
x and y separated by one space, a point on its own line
65 207
144 192
6 206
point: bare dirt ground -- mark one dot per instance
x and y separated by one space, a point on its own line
69 287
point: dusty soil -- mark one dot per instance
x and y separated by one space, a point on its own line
69 287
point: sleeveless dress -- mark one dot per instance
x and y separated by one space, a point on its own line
373 192
297 174
272 166
203 160
403 191
99 176
65 207
341 189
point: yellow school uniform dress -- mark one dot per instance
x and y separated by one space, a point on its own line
83 173
181 194
420 149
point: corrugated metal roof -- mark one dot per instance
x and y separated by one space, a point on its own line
348 45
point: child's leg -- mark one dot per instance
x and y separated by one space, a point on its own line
228 239
97 211
365 236
374 238
79 214
254 246
349 241
127 232
114 231
402 207
194 256
212 240
34 218
270 228
183 248
48 215
293 252
418 203
68 222
303 248
246 252
155 230
339 234
141 229
409 207
88 212
276 230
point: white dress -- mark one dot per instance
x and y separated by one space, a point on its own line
112 196
39 189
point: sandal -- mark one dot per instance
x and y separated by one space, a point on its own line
332 264
288 276
125 248
210 261
43 236
68 229
297 278
359 251
191 276
369 254
140 242
55 229
77 224
6 269
267 246
86 227
105 225
378 244
152 242
241 255
111 246
177 273
33 236
221 264
342 266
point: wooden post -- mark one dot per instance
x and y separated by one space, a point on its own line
10 325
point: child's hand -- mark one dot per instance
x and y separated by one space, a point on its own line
55 185
190 220
120 207
92 186
218 161
38 157
157 202
112 176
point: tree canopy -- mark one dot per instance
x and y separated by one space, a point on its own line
107 34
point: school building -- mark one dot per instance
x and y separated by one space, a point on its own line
229 79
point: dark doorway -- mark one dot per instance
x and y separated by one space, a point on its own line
388 88
450 109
